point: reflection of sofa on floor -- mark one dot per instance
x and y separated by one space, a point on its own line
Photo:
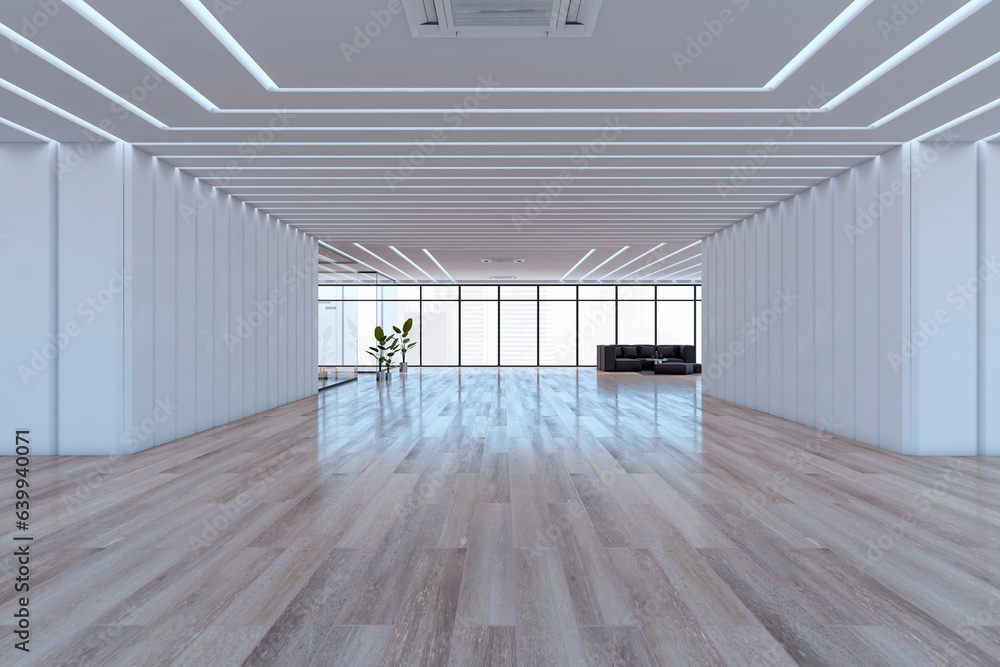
641 357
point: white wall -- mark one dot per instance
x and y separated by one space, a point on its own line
876 344
186 308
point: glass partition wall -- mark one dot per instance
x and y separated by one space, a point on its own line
505 325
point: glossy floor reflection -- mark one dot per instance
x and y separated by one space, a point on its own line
483 516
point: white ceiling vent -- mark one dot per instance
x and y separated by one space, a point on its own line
502 18
487 260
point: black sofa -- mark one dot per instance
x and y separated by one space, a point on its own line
625 358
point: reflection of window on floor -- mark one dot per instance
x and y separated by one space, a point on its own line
509 325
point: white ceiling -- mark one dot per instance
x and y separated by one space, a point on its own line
235 68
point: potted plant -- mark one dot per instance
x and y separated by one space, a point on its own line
385 348
405 343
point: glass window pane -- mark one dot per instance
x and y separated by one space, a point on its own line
479 333
518 333
697 291
675 323
597 327
331 292
557 333
518 292
633 292
439 325
597 292
479 292
331 334
407 292
367 319
674 292
350 292
558 292
394 313
635 322
440 292
367 292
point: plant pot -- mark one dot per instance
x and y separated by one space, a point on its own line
402 367
382 376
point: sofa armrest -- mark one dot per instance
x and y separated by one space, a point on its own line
606 358
688 353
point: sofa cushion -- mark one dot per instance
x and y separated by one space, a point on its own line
667 350
646 351
628 365
618 351
629 352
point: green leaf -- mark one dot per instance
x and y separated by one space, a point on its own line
396 329
407 325
379 334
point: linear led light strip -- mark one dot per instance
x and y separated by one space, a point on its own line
274 202
653 249
906 52
961 119
20 128
437 263
353 259
499 178
686 276
396 268
66 68
414 264
675 264
582 260
31 97
580 279
562 156
130 45
641 167
243 57
575 144
676 252
215 27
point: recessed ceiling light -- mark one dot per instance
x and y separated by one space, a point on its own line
48 106
20 128
227 40
485 260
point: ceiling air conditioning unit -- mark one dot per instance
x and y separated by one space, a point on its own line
502 18
487 260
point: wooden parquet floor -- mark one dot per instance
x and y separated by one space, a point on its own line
514 516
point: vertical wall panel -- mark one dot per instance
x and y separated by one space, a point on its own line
220 307
824 361
805 307
165 307
739 308
28 242
894 299
708 323
989 304
249 341
140 326
945 238
749 313
204 305
274 309
763 299
234 345
187 312
774 329
843 305
259 314
865 238
726 277
789 319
